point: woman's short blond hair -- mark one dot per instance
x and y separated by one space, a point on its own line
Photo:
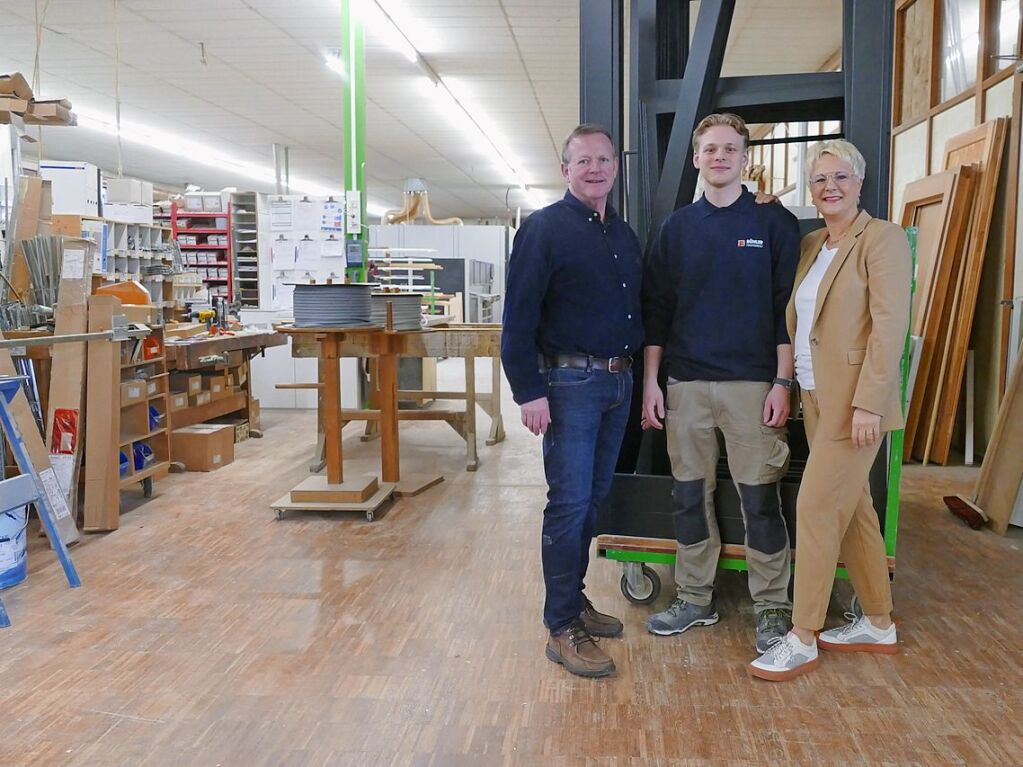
839 148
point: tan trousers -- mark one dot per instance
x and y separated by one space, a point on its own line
836 518
757 459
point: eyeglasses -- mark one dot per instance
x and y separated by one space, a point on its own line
839 177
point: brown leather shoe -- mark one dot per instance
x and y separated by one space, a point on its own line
577 651
599 624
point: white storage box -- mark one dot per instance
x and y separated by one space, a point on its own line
76 188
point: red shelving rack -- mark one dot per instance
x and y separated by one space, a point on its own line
202 233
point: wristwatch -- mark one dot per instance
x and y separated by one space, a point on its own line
788 383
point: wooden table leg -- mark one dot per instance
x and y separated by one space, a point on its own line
387 397
496 418
472 458
372 429
332 408
319 456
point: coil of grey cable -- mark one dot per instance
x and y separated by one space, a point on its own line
406 310
332 306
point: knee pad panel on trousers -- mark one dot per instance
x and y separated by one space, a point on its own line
765 526
689 511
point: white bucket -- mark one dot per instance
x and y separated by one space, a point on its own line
12 546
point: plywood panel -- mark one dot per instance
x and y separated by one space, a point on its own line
947 124
934 207
914 60
982 145
1002 470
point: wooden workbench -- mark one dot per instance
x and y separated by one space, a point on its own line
468 341
198 353
186 353
332 492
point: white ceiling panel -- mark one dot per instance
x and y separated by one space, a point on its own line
263 80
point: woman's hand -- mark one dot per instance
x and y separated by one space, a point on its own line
866 427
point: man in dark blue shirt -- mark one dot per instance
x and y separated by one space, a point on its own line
717 284
572 322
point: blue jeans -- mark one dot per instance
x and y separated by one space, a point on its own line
589 410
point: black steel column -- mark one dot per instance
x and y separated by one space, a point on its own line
601 72
868 29
695 100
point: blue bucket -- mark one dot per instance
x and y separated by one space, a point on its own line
12 546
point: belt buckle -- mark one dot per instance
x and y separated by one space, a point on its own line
613 364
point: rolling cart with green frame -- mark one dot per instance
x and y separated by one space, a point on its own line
640 583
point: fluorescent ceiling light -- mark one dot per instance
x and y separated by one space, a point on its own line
335 64
384 26
169 143
391 24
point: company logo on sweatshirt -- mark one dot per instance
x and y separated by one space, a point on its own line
751 243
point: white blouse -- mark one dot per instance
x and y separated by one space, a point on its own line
806 302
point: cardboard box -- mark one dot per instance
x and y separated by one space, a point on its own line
197 400
152 387
178 401
190 384
75 186
51 112
213 203
240 426
13 104
15 85
193 202
214 383
133 391
254 422
132 191
128 213
203 447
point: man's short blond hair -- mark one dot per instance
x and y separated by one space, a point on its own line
840 148
721 118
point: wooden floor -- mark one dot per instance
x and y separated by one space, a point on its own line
209 633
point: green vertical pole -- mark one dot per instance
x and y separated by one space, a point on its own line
353 117
895 444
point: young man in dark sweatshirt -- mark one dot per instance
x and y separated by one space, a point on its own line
715 290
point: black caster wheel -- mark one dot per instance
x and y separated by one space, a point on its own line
640 584
147 487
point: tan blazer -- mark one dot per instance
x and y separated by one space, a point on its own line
860 323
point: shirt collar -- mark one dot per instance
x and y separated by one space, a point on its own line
744 202
578 205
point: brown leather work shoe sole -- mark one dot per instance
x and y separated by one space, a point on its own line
598 624
575 649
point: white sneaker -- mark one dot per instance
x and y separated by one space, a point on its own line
786 659
859 635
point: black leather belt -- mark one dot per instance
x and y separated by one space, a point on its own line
586 362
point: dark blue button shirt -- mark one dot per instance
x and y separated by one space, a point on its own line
716 286
573 288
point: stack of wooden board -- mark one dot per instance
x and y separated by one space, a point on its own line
952 211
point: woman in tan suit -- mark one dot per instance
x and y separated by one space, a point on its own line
848 317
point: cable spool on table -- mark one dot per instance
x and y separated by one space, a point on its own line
333 305
406 310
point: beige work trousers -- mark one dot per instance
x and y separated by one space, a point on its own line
835 517
757 459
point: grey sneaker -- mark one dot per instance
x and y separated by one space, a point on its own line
859 635
772 626
786 659
681 616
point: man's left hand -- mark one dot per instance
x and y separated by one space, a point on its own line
776 406
764 197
